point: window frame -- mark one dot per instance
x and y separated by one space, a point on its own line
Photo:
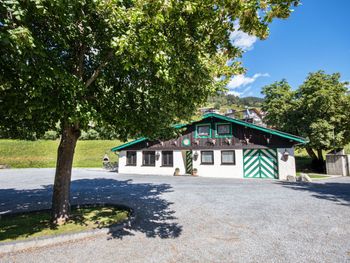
207 163
143 158
227 135
131 164
166 153
234 157
197 135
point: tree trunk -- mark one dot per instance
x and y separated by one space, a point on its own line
311 153
320 155
61 189
317 163
321 161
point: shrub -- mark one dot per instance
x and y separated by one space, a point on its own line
50 135
91 134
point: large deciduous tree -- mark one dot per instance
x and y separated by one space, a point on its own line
133 65
318 109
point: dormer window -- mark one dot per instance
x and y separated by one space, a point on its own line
223 129
203 131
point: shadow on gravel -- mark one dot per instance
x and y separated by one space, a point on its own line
154 217
336 192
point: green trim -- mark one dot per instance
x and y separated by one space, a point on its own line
200 125
229 135
120 147
179 126
257 127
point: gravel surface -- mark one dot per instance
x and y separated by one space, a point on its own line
186 219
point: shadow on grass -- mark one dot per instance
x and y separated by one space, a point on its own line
154 217
23 225
335 192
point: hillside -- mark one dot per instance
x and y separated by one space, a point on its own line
223 102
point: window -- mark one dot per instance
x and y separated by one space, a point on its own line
149 158
223 129
131 158
167 158
203 130
207 157
228 157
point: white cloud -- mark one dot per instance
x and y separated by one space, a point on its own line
236 93
243 40
238 81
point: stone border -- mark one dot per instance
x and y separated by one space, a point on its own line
16 246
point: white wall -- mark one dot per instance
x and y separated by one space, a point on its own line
286 166
217 169
158 169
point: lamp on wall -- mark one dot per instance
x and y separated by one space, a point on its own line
195 156
285 155
157 156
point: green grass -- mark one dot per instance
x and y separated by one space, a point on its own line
318 176
42 153
315 175
37 224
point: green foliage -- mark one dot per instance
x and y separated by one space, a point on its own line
278 105
50 135
90 134
43 153
318 109
136 65
251 101
221 99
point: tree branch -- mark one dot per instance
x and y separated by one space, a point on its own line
98 70
80 66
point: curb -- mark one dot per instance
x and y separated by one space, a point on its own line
16 246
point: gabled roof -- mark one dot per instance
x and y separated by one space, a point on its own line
120 147
257 127
285 135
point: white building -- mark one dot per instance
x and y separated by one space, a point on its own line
215 146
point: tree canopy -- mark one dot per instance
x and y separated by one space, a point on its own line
318 110
139 65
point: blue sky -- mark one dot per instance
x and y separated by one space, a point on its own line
316 36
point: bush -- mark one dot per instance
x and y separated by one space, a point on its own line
91 134
50 135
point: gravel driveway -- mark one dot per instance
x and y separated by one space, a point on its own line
186 219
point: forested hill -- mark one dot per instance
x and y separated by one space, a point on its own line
225 101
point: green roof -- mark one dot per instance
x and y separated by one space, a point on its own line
120 147
285 135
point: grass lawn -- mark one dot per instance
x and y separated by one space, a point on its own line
37 224
318 176
315 175
42 153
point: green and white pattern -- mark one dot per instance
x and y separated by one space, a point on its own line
260 163
189 162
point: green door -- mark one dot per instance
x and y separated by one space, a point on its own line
260 163
189 164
